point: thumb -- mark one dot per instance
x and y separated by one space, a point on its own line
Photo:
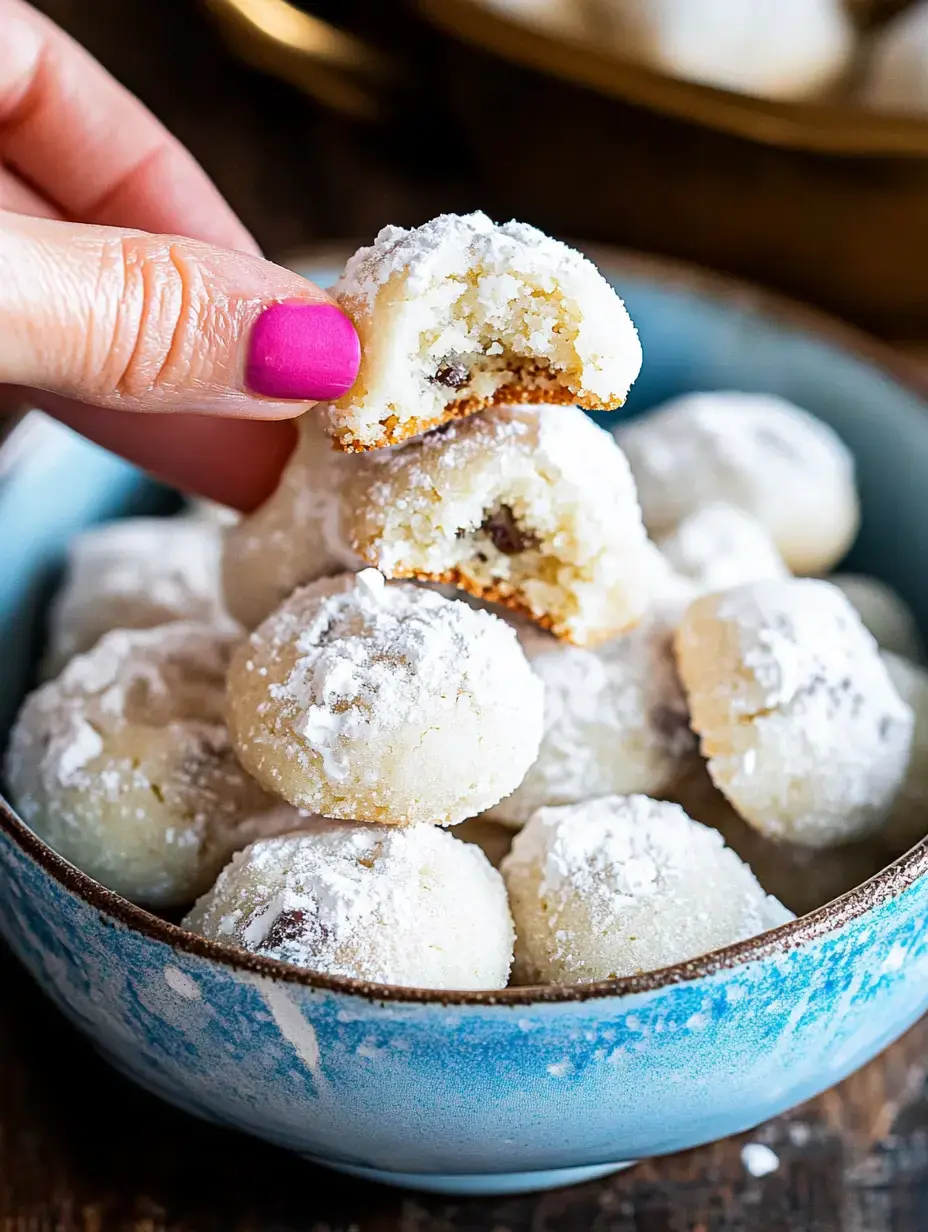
132 321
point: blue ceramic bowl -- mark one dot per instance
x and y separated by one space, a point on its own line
522 1089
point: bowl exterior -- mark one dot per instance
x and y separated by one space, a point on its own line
422 1087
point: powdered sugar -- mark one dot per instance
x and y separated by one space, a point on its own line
384 703
718 546
804 732
625 884
409 906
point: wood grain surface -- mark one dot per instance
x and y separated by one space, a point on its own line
82 1149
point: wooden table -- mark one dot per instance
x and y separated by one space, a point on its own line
79 1147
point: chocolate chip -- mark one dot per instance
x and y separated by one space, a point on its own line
504 532
287 927
452 373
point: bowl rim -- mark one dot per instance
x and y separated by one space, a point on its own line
886 885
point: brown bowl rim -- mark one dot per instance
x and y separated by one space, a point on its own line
889 883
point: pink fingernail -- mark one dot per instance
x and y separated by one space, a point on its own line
307 352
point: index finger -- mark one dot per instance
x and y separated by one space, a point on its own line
90 147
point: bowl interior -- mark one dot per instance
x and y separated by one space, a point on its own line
697 333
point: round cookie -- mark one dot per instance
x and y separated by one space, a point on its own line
134 574
123 765
884 612
757 452
392 906
461 314
384 703
779 49
895 66
718 546
801 725
532 507
295 536
625 884
908 821
616 721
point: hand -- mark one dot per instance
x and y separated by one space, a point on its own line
97 320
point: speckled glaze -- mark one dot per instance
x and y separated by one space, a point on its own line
522 1089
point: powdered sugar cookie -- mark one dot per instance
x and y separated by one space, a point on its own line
802 878
124 766
908 821
533 507
625 884
616 721
295 536
384 703
393 906
884 612
780 49
134 574
757 452
801 725
461 314
895 73
718 546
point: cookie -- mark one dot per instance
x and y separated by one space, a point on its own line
412 907
622 885
461 314
134 574
371 702
802 727
615 721
758 452
124 766
532 507
884 612
907 823
295 536
718 546
777 49
894 77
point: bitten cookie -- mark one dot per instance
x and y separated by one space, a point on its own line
802 727
412 906
533 507
295 536
384 703
123 765
624 884
758 452
616 721
134 574
461 314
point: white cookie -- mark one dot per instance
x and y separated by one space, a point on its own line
757 452
780 49
295 537
625 884
134 574
384 703
884 612
460 314
801 725
895 66
533 507
908 821
616 721
718 546
412 906
123 765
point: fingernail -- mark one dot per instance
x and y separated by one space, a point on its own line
308 352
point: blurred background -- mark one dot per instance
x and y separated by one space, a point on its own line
785 141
